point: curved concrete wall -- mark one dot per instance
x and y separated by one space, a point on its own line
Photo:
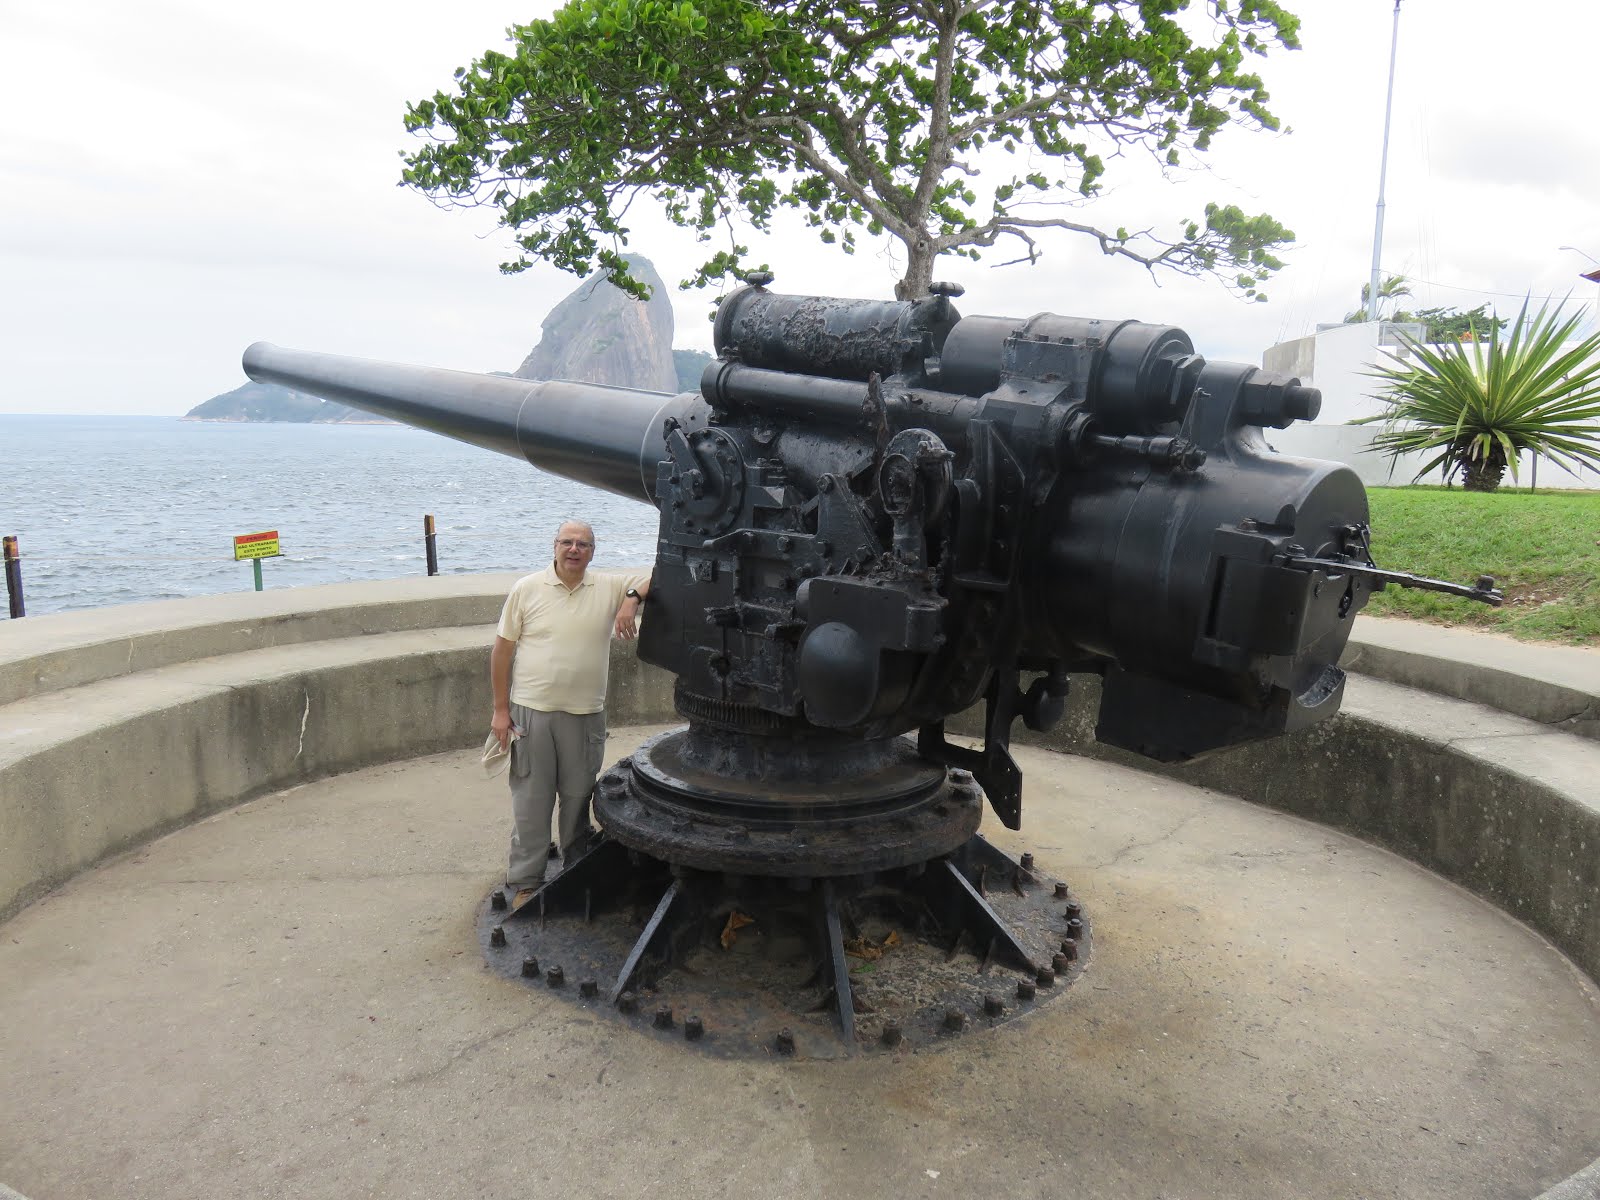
47 654
1508 808
1556 686
125 723
119 724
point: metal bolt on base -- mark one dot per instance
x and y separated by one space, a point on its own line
756 953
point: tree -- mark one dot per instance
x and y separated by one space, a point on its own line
1390 287
863 115
1456 325
1439 324
1481 405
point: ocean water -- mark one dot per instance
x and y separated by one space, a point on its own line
114 510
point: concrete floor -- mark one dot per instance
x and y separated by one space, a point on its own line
287 1000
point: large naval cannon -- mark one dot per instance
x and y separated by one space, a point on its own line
875 516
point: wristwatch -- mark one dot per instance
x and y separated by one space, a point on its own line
633 594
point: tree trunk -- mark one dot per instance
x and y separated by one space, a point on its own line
1483 475
919 270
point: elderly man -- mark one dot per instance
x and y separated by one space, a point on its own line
548 668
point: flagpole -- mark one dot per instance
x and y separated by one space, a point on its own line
1383 173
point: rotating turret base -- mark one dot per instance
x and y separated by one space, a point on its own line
735 804
862 915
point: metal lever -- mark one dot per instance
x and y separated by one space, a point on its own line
1483 590
1165 453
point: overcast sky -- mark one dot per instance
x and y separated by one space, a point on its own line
180 178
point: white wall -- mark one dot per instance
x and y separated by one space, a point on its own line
1346 444
1336 360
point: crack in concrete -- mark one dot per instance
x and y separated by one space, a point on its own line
304 717
1588 712
204 1119
1145 844
1542 731
449 1064
1457 742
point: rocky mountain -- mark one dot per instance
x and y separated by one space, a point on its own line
272 402
599 334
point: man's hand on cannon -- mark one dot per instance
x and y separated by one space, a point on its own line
627 626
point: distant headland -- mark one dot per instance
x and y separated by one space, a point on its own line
271 402
597 334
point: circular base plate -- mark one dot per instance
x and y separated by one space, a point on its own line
747 962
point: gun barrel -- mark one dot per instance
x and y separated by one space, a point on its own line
606 437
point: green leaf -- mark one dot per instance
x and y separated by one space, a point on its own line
1480 405
857 113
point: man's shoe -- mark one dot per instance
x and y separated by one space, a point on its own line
522 897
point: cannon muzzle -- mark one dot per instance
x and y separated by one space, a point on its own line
607 437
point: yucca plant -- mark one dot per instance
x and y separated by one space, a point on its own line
1481 405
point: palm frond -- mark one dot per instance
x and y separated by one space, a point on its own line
1534 389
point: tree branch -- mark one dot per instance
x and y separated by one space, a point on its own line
939 143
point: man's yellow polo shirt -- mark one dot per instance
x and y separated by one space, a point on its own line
563 638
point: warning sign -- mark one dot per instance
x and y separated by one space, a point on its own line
257 545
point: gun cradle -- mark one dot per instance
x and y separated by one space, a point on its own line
876 514
884 513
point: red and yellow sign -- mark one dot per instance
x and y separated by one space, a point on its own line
257 545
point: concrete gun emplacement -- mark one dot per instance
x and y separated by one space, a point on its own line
874 515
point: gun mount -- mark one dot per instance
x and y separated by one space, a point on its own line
875 515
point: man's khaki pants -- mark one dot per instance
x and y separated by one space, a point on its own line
558 754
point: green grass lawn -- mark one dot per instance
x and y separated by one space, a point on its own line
1543 550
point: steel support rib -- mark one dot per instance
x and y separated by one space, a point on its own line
605 860
843 999
946 877
652 931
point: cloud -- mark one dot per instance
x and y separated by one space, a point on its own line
1505 152
183 178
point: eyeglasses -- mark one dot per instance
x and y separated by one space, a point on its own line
574 543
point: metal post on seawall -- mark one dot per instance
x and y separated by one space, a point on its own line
430 542
14 576
255 564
